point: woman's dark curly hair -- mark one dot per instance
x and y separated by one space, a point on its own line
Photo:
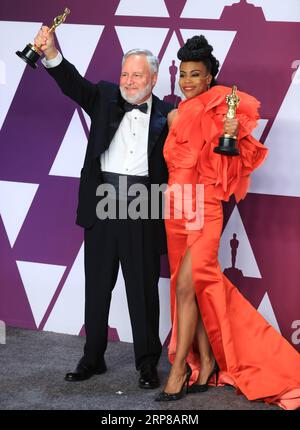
198 49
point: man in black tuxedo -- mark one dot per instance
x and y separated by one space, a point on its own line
128 130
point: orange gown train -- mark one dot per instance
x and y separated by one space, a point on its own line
252 355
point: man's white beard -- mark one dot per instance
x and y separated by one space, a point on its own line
139 96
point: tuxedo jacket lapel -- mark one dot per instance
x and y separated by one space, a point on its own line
157 123
116 114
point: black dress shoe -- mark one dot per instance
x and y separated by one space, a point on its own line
148 377
83 372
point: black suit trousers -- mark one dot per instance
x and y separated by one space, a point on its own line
130 242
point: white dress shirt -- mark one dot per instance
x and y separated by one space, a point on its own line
128 150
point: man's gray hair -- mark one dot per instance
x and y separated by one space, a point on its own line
152 59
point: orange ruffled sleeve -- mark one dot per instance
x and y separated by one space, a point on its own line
230 175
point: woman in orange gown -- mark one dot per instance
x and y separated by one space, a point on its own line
218 337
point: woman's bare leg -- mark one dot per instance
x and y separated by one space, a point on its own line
206 355
187 317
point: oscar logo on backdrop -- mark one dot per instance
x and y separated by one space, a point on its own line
233 273
172 98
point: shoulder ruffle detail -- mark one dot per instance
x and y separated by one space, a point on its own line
230 175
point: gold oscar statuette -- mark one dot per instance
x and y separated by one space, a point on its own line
227 143
31 53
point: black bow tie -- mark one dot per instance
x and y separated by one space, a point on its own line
128 107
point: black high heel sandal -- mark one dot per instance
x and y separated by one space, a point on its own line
201 388
168 397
